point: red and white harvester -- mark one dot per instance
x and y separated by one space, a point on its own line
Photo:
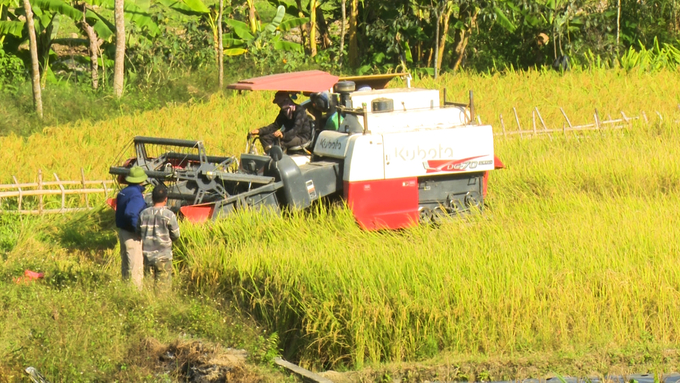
400 156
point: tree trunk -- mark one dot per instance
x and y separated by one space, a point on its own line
252 20
618 26
342 32
304 27
353 38
35 68
323 28
462 40
436 42
462 37
220 47
94 44
119 60
442 42
216 42
312 28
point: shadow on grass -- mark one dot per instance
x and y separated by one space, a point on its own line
94 230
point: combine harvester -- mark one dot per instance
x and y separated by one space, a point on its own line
399 156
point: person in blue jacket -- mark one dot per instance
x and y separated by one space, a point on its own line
129 203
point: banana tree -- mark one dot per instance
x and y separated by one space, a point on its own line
10 24
47 14
240 41
199 9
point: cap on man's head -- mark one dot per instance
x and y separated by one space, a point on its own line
281 96
159 193
136 176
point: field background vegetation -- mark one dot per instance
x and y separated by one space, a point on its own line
572 268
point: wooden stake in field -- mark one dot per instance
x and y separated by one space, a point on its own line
565 117
519 127
40 188
503 125
540 118
82 183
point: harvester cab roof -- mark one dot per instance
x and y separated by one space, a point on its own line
400 156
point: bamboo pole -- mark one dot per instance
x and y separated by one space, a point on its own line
45 192
40 188
53 183
565 116
82 183
21 196
519 127
63 194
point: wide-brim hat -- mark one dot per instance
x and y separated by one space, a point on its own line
136 176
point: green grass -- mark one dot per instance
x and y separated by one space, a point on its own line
81 323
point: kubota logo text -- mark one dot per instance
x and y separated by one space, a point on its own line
330 144
410 154
437 166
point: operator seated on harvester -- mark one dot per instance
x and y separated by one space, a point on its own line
323 106
291 128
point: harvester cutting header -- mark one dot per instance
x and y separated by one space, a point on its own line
398 156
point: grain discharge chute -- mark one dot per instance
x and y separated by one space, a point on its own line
399 156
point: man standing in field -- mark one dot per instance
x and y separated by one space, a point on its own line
292 126
129 203
158 227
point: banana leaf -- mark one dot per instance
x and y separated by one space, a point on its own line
104 28
241 29
235 51
293 23
11 28
276 21
189 7
59 7
503 20
232 43
134 14
287 46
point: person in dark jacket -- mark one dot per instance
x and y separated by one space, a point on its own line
292 126
129 203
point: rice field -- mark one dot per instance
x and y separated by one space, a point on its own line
576 250
223 122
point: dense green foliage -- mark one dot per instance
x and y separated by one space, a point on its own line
389 35
170 43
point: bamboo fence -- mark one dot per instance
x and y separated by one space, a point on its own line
58 187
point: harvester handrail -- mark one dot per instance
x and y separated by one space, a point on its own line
166 141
